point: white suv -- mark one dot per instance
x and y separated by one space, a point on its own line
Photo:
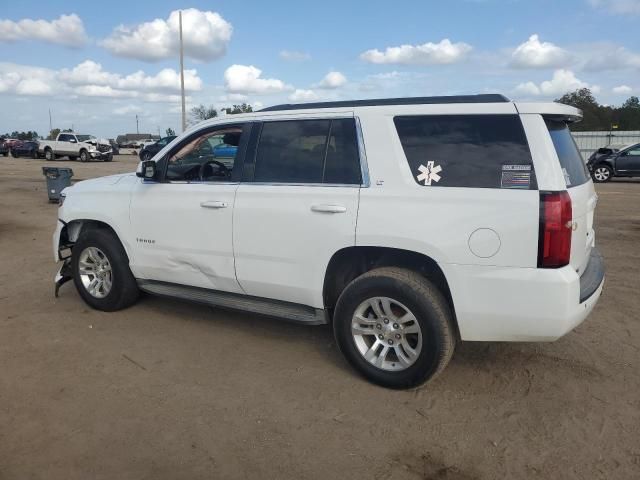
409 224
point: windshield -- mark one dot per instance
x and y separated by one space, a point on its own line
573 167
84 138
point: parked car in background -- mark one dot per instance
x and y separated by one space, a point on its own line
114 147
26 149
4 150
72 145
406 224
12 142
151 149
615 161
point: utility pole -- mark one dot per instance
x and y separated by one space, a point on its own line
50 124
184 114
137 128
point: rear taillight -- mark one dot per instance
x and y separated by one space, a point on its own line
554 242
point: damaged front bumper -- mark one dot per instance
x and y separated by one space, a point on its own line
64 275
62 251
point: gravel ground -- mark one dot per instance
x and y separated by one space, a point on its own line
169 390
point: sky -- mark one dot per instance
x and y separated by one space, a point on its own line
96 65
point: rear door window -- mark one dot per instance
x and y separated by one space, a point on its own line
479 151
573 167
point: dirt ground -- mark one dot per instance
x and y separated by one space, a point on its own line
170 390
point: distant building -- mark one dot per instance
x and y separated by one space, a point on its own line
134 137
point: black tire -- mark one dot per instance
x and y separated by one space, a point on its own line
14 154
5 154
48 154
427 304
84 156
124 291
602 173
34 154
108 158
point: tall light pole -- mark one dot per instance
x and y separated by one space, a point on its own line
137 128
184 113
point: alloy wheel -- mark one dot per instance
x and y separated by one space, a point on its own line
95 272
386 334
601 174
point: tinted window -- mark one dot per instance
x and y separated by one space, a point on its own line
64 138
573 167
342 164
482 151
308 151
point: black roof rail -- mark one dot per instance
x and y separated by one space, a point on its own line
482 98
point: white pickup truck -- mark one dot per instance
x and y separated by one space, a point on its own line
72 145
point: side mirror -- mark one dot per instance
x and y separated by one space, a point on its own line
146 170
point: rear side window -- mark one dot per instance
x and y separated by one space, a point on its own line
480 151
308 151
573 167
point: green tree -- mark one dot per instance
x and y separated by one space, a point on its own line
631 102
203 112
595 116
170 132
53 134
243 108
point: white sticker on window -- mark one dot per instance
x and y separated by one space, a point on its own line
567 178
429 173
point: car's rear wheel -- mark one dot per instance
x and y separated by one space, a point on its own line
34 154
602 174
14 154
48 154
394 327
101 271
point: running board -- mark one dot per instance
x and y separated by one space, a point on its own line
262 306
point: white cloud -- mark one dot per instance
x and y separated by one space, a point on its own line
205 35
303 96
536 54
33 86
91 73
332 80
127 110
563 81
234 97
294 56
618 6
622 90
246 79
88 79
429 53
68 30
608 56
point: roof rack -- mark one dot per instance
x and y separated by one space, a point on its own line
483 98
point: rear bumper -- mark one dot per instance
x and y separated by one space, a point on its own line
523 304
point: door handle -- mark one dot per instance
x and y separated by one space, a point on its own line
328 208
214 204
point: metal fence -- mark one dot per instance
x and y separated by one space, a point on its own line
589 142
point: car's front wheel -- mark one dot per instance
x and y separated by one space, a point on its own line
602 173
394 327
84 156
101 271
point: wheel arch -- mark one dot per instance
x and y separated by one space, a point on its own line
349 263
72 229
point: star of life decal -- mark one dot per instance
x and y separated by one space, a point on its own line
429 173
